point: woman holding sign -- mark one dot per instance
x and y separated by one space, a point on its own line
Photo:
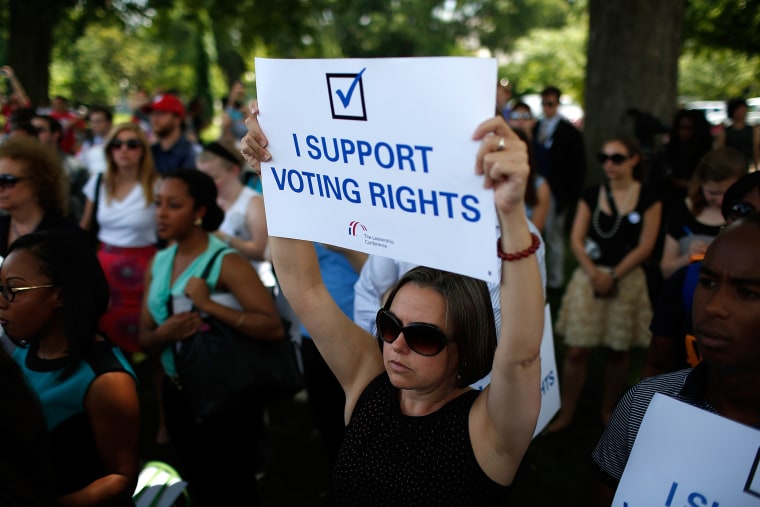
416 433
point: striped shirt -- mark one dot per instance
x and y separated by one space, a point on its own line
612 451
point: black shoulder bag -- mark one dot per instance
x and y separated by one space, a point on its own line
219 366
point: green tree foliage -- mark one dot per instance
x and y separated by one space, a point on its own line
718 74
502 22
546 57
99 67
729 24
106 47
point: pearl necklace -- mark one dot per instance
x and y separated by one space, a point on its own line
618 217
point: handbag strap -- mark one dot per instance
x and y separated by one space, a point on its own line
204 275
210 263
207 269
94 219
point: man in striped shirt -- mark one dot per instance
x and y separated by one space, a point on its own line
726 313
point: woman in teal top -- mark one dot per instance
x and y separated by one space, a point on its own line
186 214
53 295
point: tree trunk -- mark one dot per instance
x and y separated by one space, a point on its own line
633 50
30 43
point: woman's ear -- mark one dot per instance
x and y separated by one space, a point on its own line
199 214
58 299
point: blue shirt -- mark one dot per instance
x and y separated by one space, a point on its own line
180 156
339 278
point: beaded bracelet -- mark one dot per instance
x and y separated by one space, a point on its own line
509 257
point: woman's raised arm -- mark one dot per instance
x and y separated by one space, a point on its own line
350 352
504 417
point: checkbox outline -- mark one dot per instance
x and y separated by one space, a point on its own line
753 471
359 90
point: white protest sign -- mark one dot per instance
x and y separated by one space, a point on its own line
550 402
684 456
377 155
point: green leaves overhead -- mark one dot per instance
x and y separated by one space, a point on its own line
728 24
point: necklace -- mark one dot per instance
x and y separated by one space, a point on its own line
618 216
18 233
52 355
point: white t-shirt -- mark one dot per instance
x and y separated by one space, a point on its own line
128 223
234 225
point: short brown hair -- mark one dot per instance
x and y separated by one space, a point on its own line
469 317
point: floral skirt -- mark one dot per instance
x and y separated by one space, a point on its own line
125 271
620 322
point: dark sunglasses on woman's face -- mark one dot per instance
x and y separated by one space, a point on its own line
8 181
424 339
741 209
520 115
132 144
616 158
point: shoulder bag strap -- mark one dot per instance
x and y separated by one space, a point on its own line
610 200
204 275
210 263
94 219
207 269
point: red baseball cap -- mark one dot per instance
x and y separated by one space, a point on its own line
167 103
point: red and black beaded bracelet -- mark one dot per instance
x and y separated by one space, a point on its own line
521 254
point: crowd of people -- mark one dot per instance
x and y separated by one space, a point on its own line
118 239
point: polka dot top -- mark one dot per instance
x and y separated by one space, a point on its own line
388 458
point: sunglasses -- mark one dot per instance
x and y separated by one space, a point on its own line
9 181
9 293
424 339
517 115
548 103
616 158
132 144
740 209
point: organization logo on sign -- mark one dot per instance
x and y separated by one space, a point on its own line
354 226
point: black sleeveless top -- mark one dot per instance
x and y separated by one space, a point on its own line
388 458
742 141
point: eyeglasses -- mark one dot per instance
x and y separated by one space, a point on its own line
9 293
424 339
132 144
549 103
517 115
616 158
740 209
9 181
